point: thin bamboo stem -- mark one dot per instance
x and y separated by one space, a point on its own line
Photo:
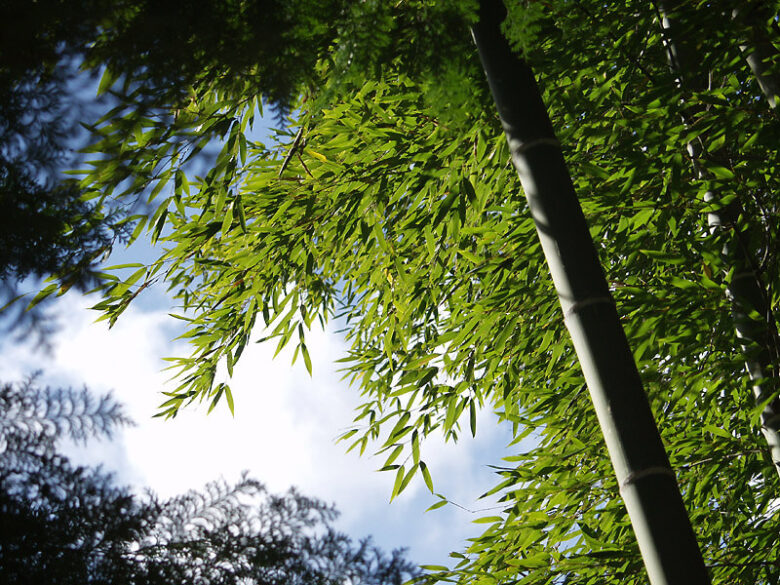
753 319
759 52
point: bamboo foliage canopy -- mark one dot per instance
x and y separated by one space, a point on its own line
386 206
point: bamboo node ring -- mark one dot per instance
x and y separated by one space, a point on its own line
575 307
740 275
526 146
635 476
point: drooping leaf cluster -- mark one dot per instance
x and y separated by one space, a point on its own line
68 524
409 227
177 77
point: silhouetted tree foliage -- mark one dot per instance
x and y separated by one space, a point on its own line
47 224
68 524
272 46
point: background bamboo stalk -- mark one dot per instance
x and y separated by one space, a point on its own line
758 51
753 319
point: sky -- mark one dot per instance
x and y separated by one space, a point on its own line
284 430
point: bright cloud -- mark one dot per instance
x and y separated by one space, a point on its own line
283 431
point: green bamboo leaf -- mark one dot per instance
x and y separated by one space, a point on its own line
229 363
306 358
715 430
159 225
242 148
139 228
437 505
122 266
227 221
43 294
488 520
217 395
394 455
380 236
721 173
427 477
348 434
399 479
468 188
106 80
160 184
452 411
229 398
408 478
430 373
181 184
133 278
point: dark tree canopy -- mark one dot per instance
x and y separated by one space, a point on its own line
67 524
164 54
47 225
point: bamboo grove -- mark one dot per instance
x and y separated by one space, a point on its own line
387 206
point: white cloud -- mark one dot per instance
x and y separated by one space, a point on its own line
283 431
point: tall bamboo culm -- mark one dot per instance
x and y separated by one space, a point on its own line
647 483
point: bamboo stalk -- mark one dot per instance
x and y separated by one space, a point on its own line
758 336
758 51
647 483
